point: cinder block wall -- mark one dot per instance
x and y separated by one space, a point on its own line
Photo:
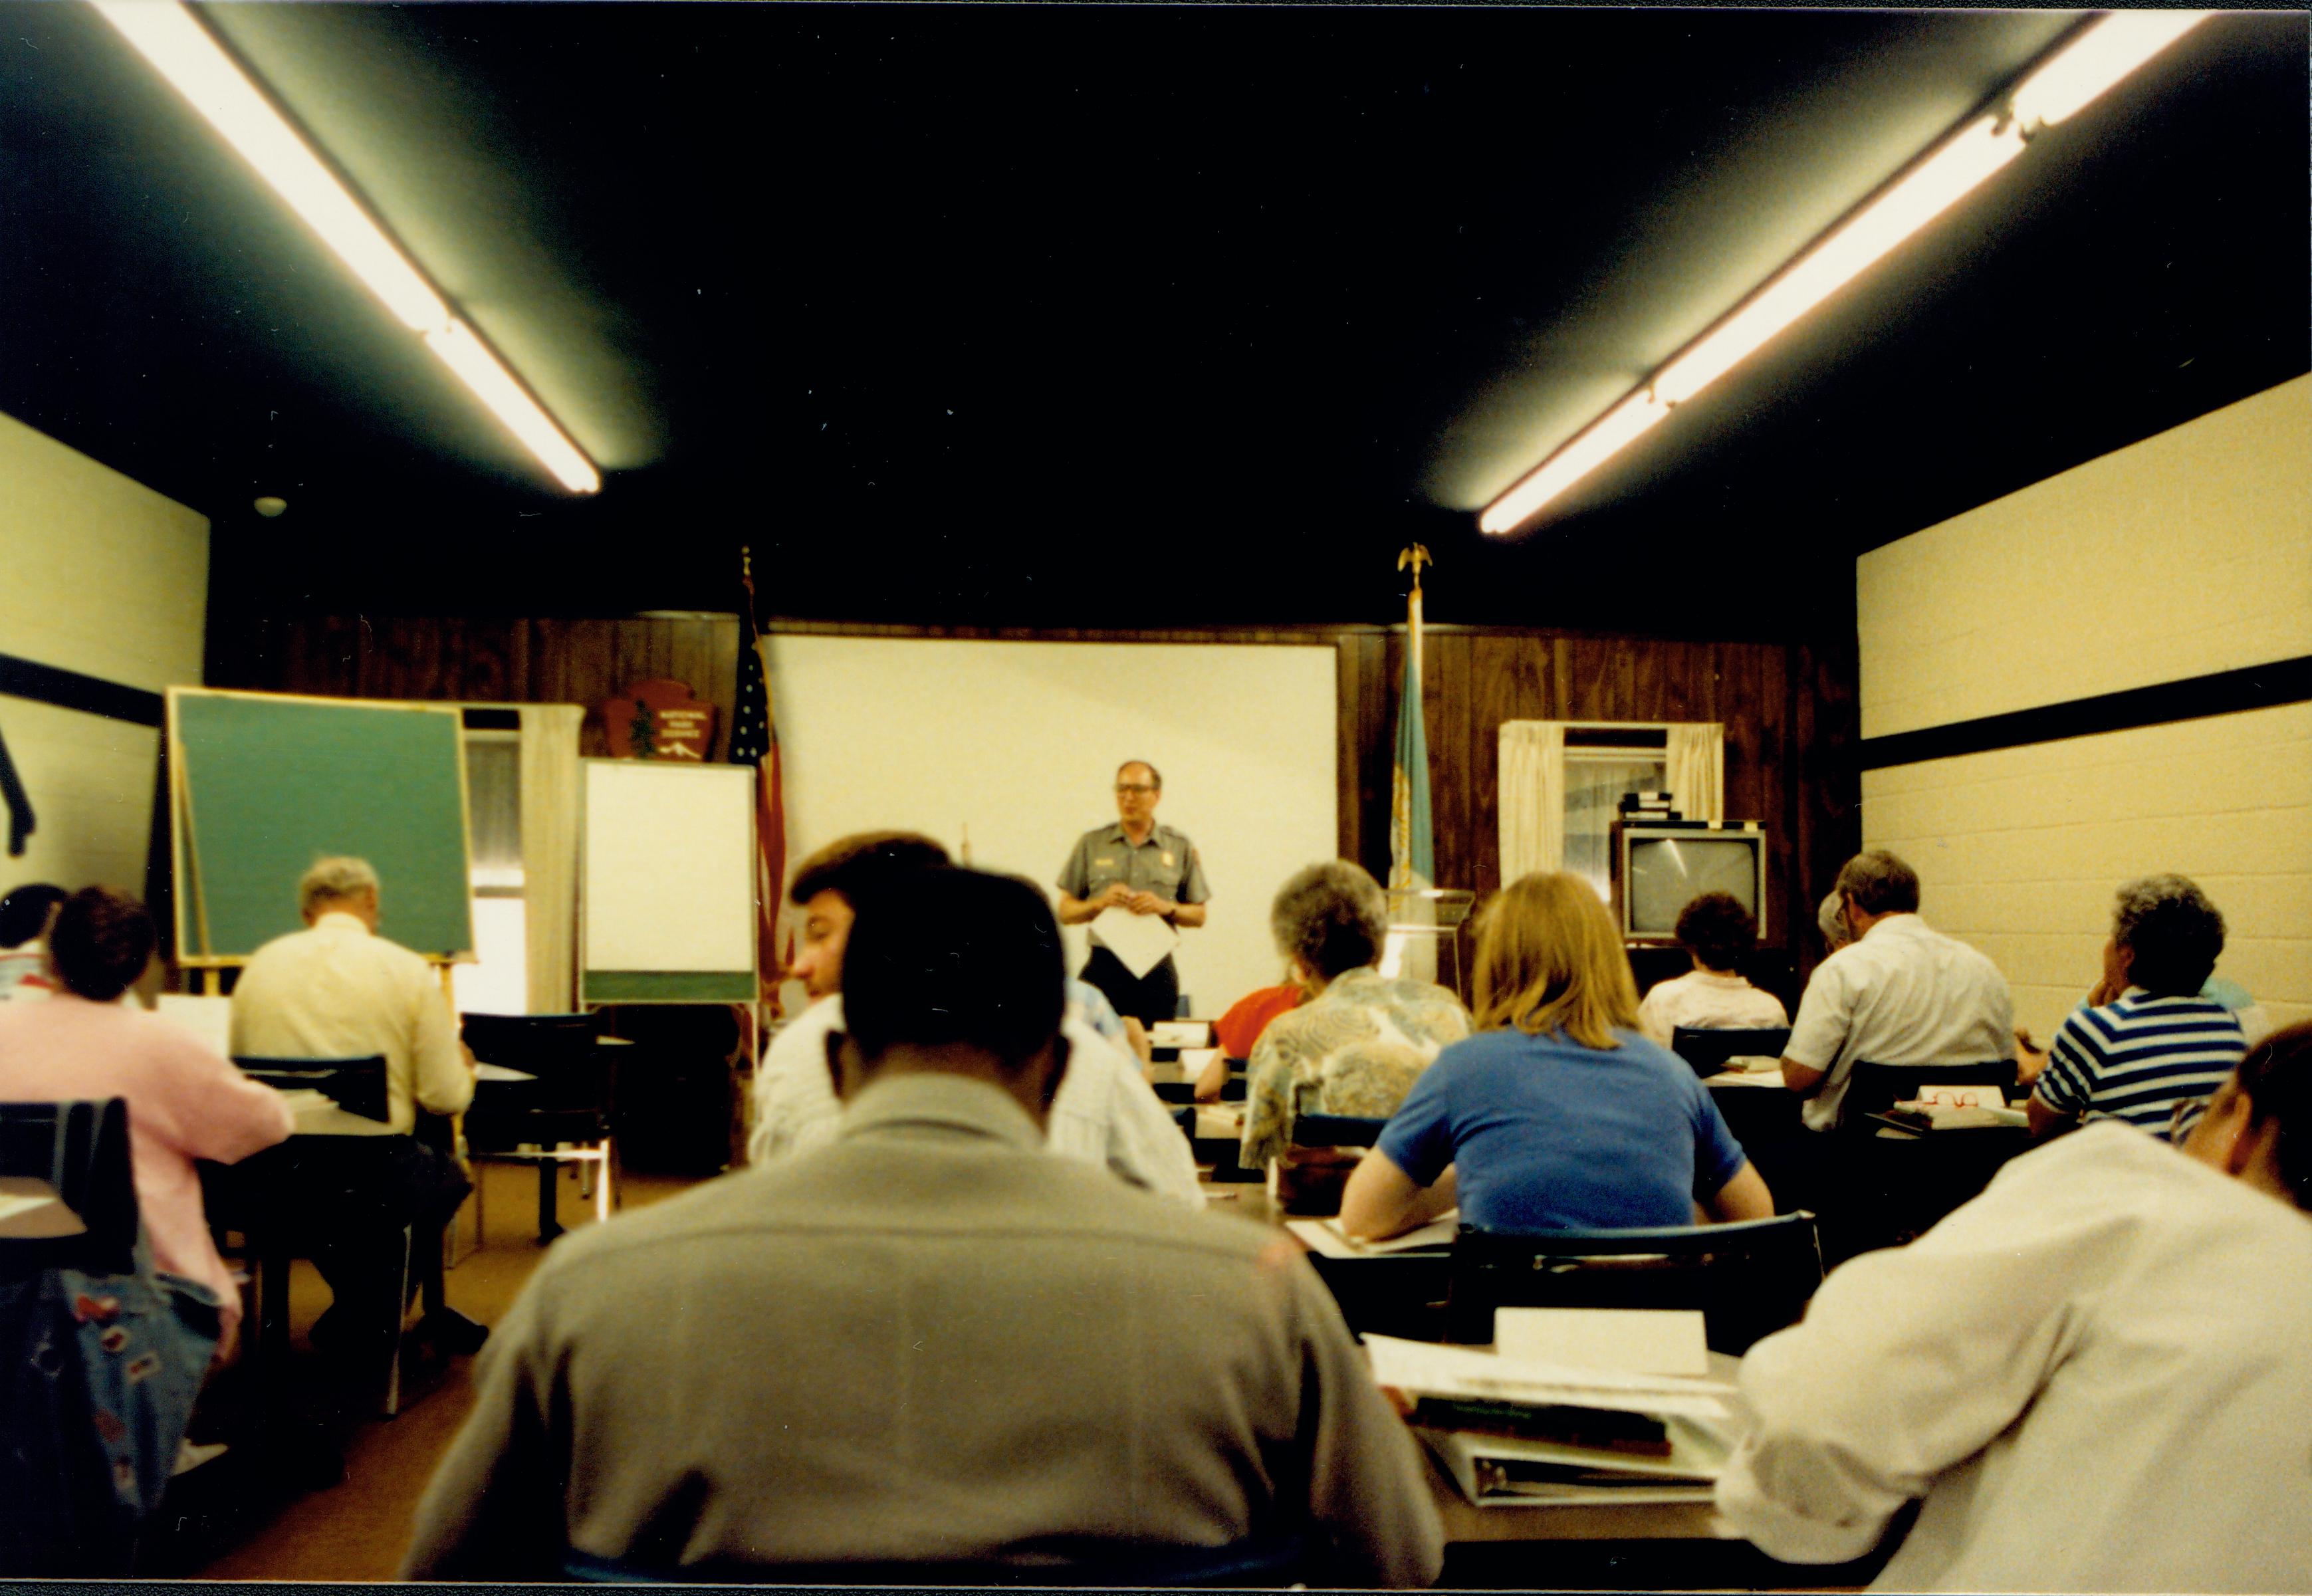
2185 555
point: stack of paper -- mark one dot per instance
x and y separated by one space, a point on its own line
1181 1033
1579 1406
1327 1237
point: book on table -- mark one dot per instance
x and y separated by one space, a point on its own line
1592 1418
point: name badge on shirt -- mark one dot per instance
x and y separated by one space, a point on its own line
1108 863
1168 861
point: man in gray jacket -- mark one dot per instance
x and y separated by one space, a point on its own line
926 1341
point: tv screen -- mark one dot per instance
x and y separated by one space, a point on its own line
1666 874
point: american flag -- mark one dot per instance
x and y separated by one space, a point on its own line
755 741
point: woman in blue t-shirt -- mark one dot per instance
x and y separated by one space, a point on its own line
1557 1115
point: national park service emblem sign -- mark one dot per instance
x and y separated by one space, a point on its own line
659 720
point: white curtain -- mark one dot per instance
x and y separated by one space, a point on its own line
1697 769
1533 797
549 852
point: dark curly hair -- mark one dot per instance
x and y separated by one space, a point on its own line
100 943
2277 1077
1717 930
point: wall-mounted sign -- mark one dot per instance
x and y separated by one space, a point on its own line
659 720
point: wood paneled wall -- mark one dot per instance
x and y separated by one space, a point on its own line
489 660
1789 709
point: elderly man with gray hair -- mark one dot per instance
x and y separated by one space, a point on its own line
1899 991
1356 1046
2145 1048
338 990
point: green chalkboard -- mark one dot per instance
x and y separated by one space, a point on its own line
267 785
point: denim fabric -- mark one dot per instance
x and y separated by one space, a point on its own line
101 1372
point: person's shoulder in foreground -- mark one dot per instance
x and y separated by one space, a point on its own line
927 1341
2095 1376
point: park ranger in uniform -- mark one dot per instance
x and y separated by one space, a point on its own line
1138 865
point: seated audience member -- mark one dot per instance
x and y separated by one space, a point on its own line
184 1103
2254 1023
338 990
2095 1375
1557 1115
1089 1005
1900 992
926 1340
1717 933
1236 1033
2145 1040
1830 918
1361 1040
25 917
1108 1115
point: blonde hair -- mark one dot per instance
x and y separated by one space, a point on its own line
1548 960
333 881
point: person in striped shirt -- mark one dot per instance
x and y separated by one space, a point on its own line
2145 1046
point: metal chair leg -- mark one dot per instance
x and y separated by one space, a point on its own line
602 1185
400 1324
548 1225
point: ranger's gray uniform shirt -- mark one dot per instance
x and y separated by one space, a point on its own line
1165 864
929 1340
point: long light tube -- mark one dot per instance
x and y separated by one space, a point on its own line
2100 55
166 34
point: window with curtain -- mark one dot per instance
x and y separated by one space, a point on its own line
499 983
1597 780
1562 781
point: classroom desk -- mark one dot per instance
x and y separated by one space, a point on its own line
31 1211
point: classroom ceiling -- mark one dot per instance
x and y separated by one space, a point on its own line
1126 316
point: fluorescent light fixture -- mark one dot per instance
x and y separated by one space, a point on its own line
1606 436
1930 189
166 34
481 371
2104 52
2099 56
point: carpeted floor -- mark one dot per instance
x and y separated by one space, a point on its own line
359 1530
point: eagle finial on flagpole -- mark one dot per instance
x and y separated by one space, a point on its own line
1417 557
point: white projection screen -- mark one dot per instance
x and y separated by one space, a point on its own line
1016 745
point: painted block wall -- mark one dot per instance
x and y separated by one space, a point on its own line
108 578
2183 554
2186 554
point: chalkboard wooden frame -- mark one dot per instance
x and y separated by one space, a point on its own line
194 941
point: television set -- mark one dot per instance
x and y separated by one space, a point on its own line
1661 868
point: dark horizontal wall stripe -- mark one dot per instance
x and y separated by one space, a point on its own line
2227 692
69 689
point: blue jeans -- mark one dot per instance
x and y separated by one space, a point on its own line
101 1372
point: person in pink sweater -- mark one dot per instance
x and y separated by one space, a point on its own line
184 1102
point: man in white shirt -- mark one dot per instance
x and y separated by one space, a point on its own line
338 990
1900 992
1105 1114
2093 1377
1717 933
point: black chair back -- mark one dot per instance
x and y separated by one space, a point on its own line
1335 1130
1874 1088
81 1150
1707 1051
521 1042
356 1085
570 1099
1748 1279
